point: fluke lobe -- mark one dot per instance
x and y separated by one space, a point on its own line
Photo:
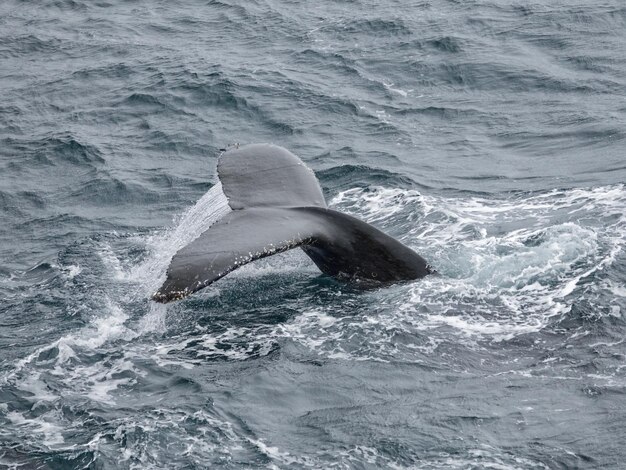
277 204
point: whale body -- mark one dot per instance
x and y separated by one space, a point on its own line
277 204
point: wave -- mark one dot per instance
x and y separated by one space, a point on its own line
53 150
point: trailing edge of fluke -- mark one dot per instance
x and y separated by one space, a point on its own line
277 204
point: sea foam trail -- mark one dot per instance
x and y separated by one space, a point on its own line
508 265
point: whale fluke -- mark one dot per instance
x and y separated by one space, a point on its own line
278 205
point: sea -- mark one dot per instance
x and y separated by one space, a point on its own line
487 135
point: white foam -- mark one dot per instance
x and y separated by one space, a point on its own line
50 433
282 457
72 271
101 329
508 265
377 204
390 86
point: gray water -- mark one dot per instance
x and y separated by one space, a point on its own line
489 136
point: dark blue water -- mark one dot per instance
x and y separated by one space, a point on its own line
488 135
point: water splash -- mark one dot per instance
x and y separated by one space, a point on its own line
209 209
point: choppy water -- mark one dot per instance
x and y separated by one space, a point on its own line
488 135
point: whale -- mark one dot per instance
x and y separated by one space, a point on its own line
278 205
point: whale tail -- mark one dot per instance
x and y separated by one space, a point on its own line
278 205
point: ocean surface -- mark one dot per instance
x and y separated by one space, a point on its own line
488 135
